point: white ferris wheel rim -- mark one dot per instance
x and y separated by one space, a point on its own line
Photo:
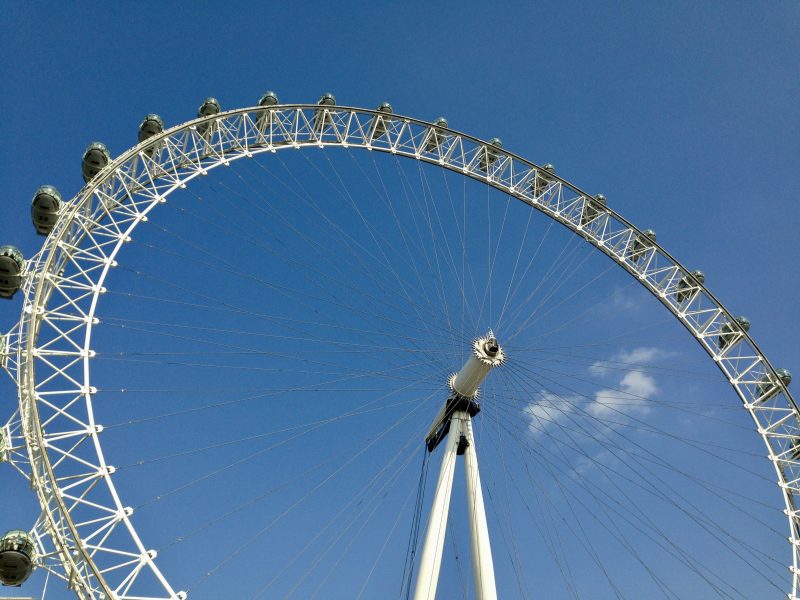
126 190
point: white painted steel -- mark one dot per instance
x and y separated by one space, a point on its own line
431 559
482 563
49 352
470 377
468 380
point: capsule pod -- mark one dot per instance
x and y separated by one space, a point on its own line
435 135
321 116
689 285
210 106
641 244
327 99
17 557
44 209
730 332
268 99
379 121
592 208
543 179
490 154
151 125
769 385
95 159
12 264
264 116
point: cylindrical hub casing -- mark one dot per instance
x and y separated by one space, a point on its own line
486 355
470 377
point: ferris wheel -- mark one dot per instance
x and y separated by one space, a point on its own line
335 290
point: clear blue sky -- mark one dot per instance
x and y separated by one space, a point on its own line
683 114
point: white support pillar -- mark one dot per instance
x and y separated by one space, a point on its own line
482 564
455 420
431 560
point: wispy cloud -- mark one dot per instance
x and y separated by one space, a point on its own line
629 395
634 388
626 392
627 298
636 357
547 409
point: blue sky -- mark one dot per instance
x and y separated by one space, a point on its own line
683 115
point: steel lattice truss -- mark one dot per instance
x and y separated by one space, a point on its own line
86 533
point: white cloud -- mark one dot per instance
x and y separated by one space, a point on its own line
627 298
638 383
635 389
546 410
629 397
637 356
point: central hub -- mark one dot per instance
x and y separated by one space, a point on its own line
486 354
465 386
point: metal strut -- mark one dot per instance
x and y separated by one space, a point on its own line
455 420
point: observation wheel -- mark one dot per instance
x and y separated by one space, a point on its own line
236 337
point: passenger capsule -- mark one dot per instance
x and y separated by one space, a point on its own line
542 180
151 125
321 117
729 332
640 245
490 155
12 264
95 159
768 386
689 285
592 208
435 136
17 557
327 99
268 99
44 209
379 122
264 116
209 107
